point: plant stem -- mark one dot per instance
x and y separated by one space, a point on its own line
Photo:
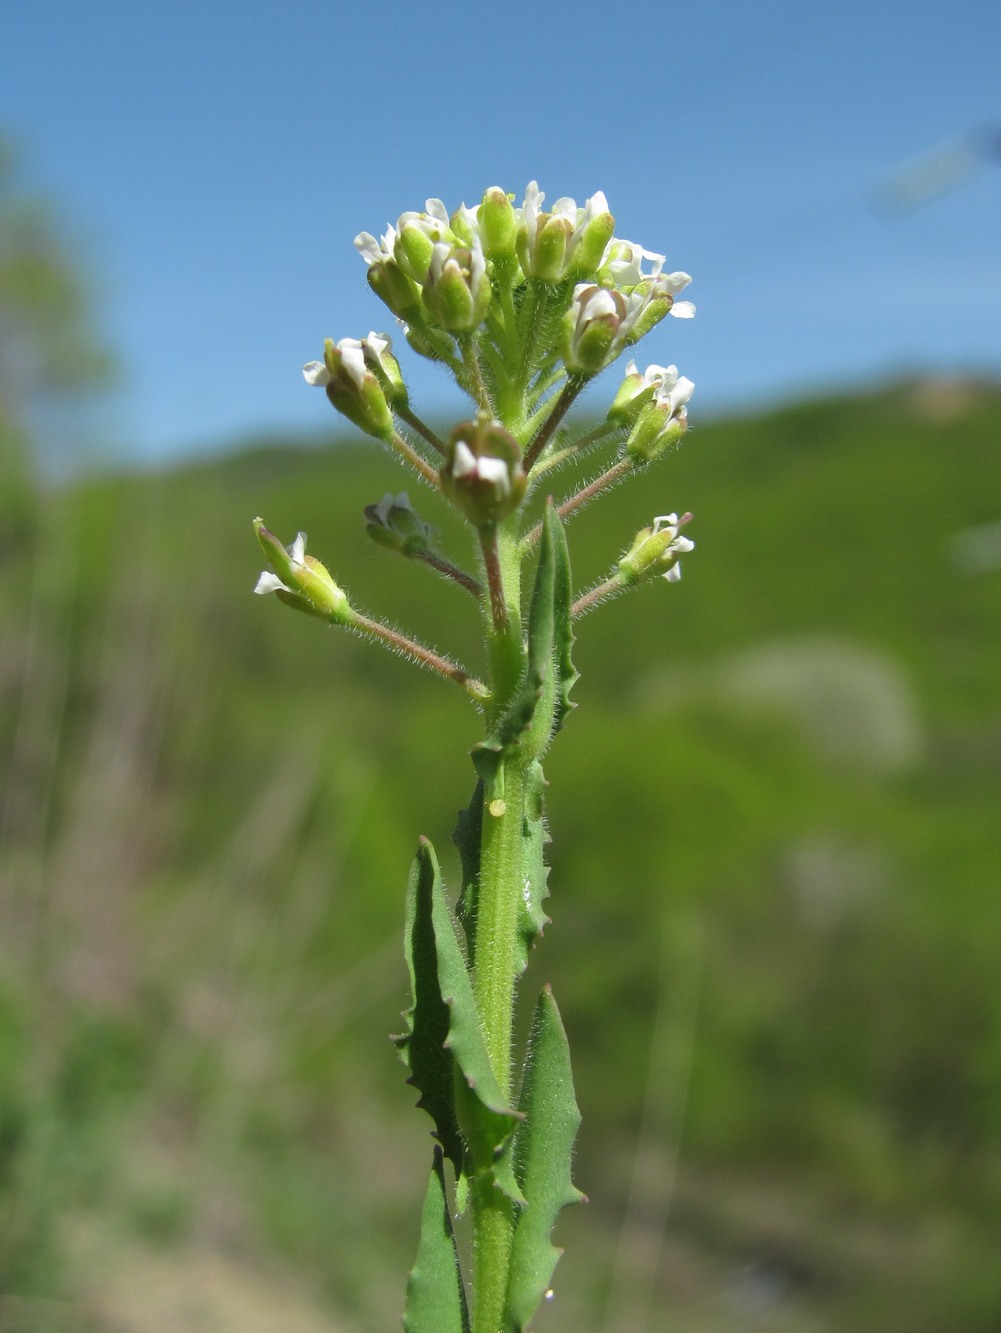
411 455
568 393
450 571
498 900
422 429
419 653
603 592
584 496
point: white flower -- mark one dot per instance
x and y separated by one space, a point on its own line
373 251
675 393
269 582
677 547
625 265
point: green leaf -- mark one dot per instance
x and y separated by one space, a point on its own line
436 1298
443 1045
549 672
422 1046
543 1150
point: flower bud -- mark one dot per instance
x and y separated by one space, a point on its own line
416 236
379 358
482 473
457 287
663 421
393 523
592 234
656 550
299 579
498 225
392 286
634 393
590 328
352 387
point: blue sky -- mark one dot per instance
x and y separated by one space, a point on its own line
215 161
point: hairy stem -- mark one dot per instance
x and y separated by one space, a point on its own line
423 430
418 653
410 454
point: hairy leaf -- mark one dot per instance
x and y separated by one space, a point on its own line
436 1298
543 1150
443 1045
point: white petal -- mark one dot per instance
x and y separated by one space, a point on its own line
268 582
673 575
682 310
297 551
683 545
353 360
315 372
368 247
463 460
663 521
494 470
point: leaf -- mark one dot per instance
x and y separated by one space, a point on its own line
443 1045
549 673
542 1150
423 1046
436 1298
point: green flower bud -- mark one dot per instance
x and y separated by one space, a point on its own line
482 473
379 358
299 579
591 237
498 224
662 422
653 303
590 328
352 387
457 288
392 286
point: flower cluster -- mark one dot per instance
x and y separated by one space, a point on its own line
524 306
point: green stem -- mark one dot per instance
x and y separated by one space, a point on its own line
422 429
570 391
410 455
495 968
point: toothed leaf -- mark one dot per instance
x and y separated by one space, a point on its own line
542 1150
443 1045
436 1298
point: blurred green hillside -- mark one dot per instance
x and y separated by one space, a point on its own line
776 862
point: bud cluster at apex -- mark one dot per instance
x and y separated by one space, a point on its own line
448 271
466 289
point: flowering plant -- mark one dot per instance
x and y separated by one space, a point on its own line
525 308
